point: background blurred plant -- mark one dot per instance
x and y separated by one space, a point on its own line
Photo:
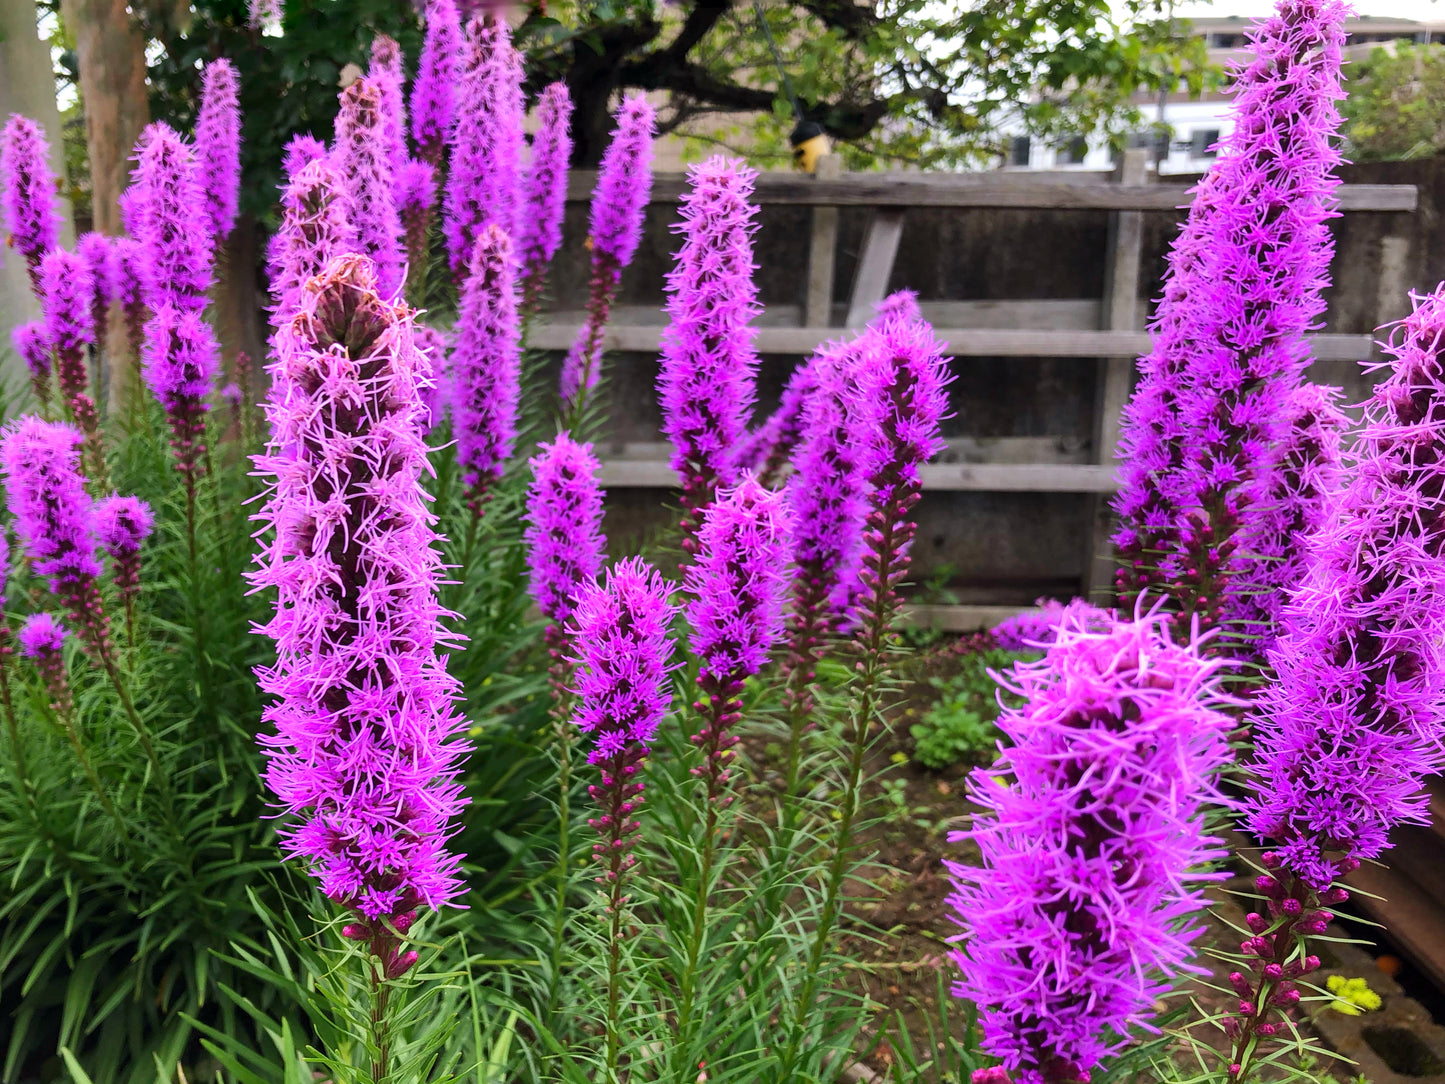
1396 103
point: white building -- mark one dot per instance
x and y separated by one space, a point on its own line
1196 124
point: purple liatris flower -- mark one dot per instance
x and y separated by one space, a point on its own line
768 447
434 346
42 641
903 392
99 255
706 384
181 360
619 204
131 288
416 192
619 632
315 228
54 517
1035 630
386 73
29 204
899 305
33 345
483 182
1067 945
300 151
433 94
67 290
624 183
1260 291
486 366
539 229
365 752
218 144
565 547
121 525
176 258
363 159
1352 725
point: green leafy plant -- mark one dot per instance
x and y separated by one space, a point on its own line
959 727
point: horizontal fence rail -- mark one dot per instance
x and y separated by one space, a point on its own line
1068 191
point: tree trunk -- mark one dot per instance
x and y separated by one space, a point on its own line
27 86
111 54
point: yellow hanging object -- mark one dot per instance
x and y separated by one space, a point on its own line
1352 995
810 142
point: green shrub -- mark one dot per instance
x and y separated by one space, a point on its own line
960 727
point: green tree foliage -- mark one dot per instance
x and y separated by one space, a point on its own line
1396 104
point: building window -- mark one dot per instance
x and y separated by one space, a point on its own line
1019 152
1226 41
1074 151
1202 141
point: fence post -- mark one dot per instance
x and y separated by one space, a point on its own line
1120 312
823 251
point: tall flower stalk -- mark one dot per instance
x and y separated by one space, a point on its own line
565 551
483 182
706 383
359 685
99 255
1260 290
315 229
121 525
1092 843
737 587
486 367
902 393
175 257
539 229
363 158
619 203
218 145
68 298
623 654
32 343
433 94
29 202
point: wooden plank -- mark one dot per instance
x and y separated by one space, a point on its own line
875 266
991 189
956 450
962 342
823 250
1115 374
936 477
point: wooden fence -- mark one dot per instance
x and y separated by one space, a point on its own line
1114 344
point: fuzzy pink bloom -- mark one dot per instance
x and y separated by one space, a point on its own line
121 525
386 72
365 752
176 256
32 343
29 204
434 345
486 366
218 144
706 383
315 228
768 447
181 359
539 233
565 547
300 151
900 305
129 255
484 182
363 157
265 13
99 255
41 637
434 93
67 294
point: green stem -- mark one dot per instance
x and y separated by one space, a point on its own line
558 676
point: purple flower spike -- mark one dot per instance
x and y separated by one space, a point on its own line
739 581
363 159
483 184
486 366
623 655
218 144
54 517
32 343
900 305
416 193
1260 292
1035 630
68 291
386 72
315 228
131 286
176 259
705 386
1066 947
181 359
768 447
301 151
41 637
31 215
624 183
564 539
1352 725
433 95
100 256
365 750
121 525
619 203
539 232
435 346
